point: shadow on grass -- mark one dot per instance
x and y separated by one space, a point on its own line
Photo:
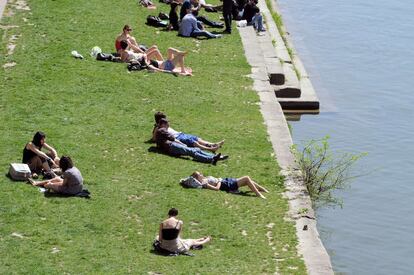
84 194
156 150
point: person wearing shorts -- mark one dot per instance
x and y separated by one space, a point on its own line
174 58
229 184
187 139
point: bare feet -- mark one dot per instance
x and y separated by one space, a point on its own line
263 190
219 144
262 197
208 238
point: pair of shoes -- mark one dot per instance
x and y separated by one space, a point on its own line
227 31
218 157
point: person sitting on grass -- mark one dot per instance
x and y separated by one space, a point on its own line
168 144
71 182
132 43
194 6
229 184
187 139
169 235
37 160
253 16
189 27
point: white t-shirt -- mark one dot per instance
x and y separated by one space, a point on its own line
173 132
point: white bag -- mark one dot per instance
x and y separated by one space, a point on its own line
241 23
19 171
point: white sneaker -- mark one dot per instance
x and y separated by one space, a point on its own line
75 54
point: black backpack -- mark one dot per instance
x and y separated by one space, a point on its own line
155 21
137 65
104 57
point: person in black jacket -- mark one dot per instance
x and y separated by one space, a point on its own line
227 14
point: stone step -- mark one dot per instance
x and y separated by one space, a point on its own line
275 71
285 91
291 87
307 100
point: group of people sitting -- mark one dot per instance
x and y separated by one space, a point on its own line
190 24
50 166
130 51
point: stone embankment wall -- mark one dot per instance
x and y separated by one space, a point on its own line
272 69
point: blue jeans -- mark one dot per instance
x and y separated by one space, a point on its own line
178 149
207 34
257 21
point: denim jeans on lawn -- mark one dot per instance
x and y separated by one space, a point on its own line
257 21
203 33
182 150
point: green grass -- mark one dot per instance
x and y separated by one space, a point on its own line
102 116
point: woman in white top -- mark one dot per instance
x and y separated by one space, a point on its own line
229 184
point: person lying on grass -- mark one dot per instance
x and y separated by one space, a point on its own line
229 184
37 160
169 235
174 58
187 139
132 42
71 182
171 146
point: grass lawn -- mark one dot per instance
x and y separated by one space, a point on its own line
102 116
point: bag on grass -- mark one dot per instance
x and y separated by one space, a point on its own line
163 16
157 247
155 21
19 171
104 57
136 65
190 182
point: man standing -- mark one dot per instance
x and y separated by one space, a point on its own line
227 11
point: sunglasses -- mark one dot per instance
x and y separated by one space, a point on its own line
129 30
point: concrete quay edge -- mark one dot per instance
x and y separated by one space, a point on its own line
310 247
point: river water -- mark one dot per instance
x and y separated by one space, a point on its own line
360 56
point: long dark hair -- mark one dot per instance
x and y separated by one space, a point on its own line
37 138
65 163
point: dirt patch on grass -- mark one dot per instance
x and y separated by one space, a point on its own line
9 65
19 5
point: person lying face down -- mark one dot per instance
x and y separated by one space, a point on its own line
187 139
229 184
170 145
